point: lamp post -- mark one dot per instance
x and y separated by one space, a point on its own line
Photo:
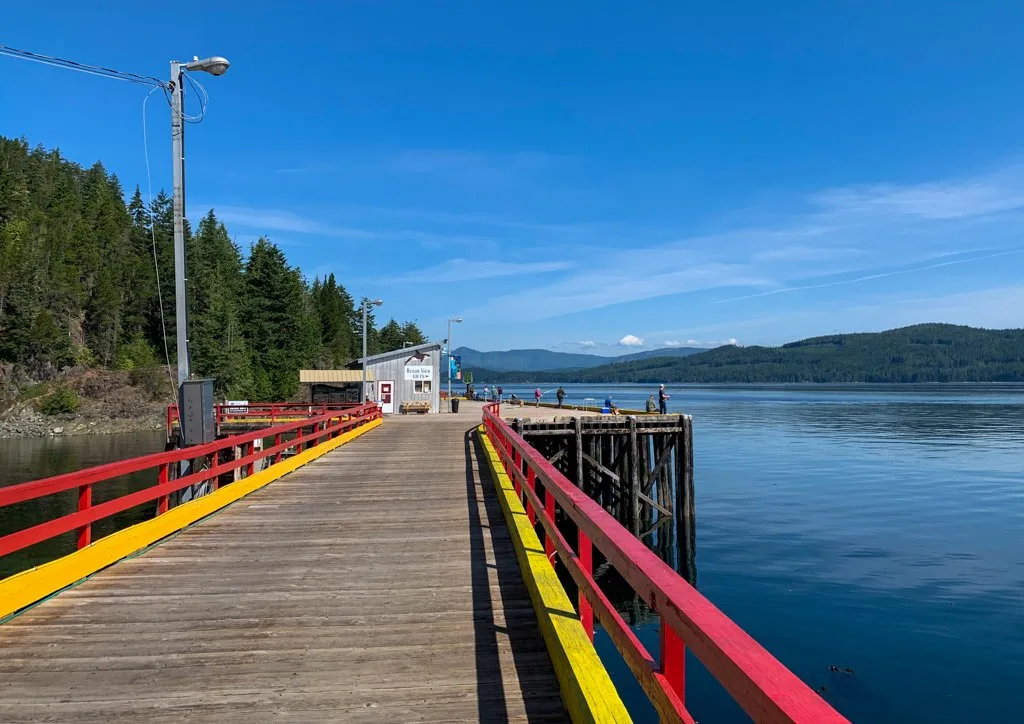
375 303
456 320
215 65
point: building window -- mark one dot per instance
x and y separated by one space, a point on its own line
422 386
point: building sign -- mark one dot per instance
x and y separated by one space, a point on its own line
237 407
419 372
455 367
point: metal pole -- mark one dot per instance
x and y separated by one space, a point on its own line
362 393
449 365
180 273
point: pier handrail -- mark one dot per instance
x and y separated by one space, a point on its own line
324 427
756 680
272 412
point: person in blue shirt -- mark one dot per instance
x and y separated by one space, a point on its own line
611 405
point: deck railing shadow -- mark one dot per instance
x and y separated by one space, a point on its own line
520 622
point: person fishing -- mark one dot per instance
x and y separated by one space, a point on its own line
662 401
500 392
611 405
560 394
651 405
536 396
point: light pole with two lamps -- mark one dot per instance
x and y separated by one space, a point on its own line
456 320
375 303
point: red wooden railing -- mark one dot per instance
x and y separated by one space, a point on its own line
323 427
270 412
767 690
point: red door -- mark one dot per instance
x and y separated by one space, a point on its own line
387 399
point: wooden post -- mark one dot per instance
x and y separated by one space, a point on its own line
685 510
634 479
578 440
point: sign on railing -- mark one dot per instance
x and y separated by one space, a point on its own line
767 690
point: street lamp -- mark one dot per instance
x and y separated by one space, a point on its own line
375 303
456 320
215 65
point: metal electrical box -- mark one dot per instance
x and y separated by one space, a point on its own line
196 406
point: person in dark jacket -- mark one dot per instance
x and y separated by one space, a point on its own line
651 405
662 401
560 394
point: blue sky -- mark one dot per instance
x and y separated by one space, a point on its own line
582 176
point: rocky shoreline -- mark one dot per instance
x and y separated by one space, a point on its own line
34 424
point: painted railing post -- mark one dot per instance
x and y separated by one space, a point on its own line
585 553
549 511
673 660
515 478
84 503
277 443
531 483
163 503
250 469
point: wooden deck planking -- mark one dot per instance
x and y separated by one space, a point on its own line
378 583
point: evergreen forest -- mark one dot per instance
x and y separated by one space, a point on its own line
78 287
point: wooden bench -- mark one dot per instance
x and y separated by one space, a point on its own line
419 406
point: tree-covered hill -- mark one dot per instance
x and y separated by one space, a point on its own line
78 287
921 353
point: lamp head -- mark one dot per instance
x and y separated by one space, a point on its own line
455 319
215 65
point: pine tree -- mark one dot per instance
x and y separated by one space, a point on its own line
278 321
390 336
216 342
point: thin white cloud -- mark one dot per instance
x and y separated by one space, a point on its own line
467 270
937 201
631 340
587 344
869 277
468 164
672 343
264 221
805 253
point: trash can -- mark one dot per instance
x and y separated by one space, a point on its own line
454 403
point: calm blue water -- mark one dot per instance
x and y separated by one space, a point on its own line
872 527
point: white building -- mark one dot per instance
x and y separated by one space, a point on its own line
412 374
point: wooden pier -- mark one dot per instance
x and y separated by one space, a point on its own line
378 583
368 570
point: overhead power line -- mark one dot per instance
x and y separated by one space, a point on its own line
147 80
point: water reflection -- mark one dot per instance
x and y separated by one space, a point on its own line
869 527
24 459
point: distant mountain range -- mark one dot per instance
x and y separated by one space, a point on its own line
535 360
921 353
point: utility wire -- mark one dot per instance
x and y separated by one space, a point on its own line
81 67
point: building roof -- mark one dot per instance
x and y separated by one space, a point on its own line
328 376
409 351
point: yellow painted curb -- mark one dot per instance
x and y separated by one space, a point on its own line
587 690
25 588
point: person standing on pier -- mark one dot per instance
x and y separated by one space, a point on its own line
536 396
662 401
560 394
